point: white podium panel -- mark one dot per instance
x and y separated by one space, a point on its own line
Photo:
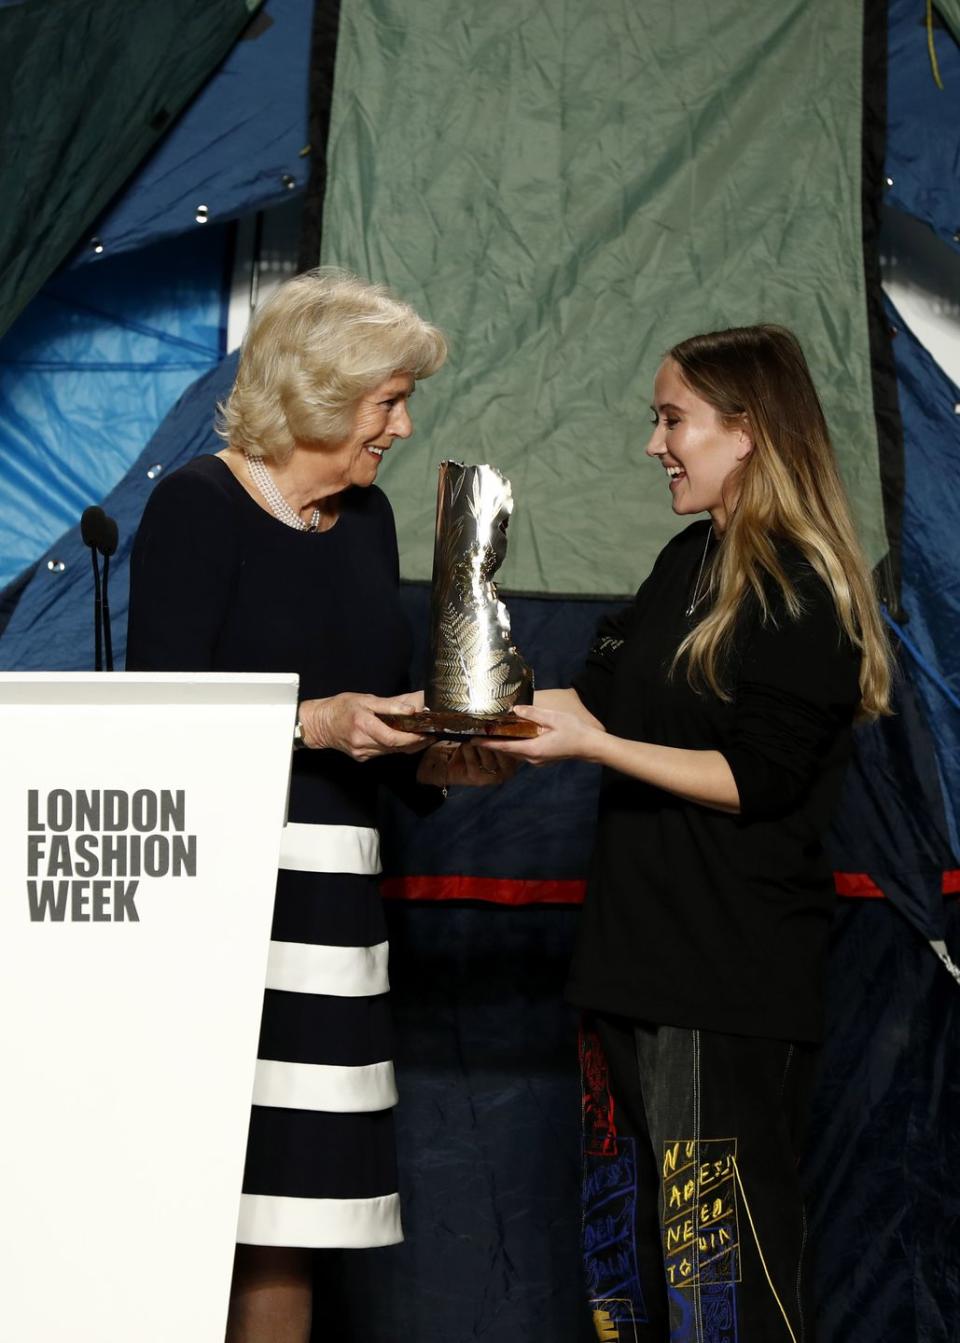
140 823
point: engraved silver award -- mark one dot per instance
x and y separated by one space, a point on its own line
476 675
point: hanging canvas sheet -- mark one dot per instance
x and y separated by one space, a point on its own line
570 190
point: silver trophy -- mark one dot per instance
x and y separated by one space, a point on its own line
476 675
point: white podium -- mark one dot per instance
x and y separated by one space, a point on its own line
140 823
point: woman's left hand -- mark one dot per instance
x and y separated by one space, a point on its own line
449 764
562 736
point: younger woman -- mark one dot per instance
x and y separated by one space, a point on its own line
720 703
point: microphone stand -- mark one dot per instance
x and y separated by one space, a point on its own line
108 545
107 637
97 613
100 533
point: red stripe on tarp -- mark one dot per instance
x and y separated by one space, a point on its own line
860 886
495 890
513 891
856 885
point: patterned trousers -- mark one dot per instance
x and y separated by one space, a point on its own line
694 1228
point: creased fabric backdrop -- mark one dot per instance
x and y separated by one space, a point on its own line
569 190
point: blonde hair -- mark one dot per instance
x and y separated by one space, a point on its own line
320 342
788 488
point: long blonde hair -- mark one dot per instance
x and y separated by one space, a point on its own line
787 489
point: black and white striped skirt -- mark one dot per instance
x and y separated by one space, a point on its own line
321 1163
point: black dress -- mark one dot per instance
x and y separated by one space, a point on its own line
217 584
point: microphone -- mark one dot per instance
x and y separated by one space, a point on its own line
97 530
111 537
101 534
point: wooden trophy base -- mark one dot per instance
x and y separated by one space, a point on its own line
457 726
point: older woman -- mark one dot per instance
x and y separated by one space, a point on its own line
279 554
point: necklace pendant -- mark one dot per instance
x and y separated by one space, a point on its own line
696 590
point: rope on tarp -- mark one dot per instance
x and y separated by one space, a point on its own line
931 47
922 662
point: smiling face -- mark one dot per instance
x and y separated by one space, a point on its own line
379 417
698 450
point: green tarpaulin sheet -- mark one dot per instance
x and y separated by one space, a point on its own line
86 88
568 189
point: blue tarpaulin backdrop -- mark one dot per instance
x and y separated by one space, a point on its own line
87 373
51 625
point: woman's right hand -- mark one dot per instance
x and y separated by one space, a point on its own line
349 723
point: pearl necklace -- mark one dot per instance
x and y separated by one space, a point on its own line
275 501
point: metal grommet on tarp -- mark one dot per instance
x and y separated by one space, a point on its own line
154 471
56 566
203 214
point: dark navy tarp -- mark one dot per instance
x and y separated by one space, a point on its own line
881 1171
87 373
239 145
488 1138
86 89
891 823
923 121
931 544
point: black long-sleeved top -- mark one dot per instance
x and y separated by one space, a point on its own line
218 584
695 917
